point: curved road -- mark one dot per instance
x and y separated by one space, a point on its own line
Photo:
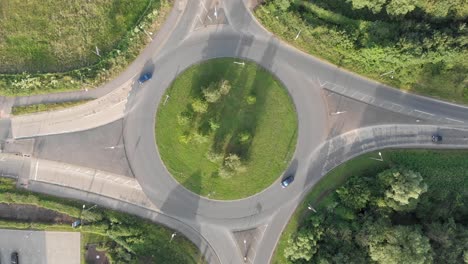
306 79
341 115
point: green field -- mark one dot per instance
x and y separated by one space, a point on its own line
29 109
231 148
417 46
125 238
50 46
56 36
444 172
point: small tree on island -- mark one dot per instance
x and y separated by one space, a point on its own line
199 106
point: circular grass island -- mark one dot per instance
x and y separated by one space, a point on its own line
228 130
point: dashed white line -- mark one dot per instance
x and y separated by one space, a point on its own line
37 167
423 112
454 120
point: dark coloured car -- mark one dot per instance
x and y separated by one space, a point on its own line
14 258
436 138
145 77
287 181
76 224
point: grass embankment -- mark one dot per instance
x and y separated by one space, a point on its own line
50 46
233 147
126 238
444 172
417 52
29 109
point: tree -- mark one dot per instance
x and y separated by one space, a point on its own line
403 188
199 138
399 245
233 163
199 106
449 241
251 100
211 93
400 7
374 5
304 245
355 193
244 137
213 125
224 87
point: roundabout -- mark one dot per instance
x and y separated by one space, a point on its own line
146 161
216 125
338 115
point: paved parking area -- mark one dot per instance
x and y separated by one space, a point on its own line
40 247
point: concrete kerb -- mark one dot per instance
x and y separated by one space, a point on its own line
187 230
400 133
315 156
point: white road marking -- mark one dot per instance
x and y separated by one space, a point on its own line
37 167
454 120
320 83
399 107
423 112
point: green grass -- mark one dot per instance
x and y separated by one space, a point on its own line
29 109
271 122
60 35
420 56
443 171
145 239
59 56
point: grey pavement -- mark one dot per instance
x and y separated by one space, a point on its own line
40 247
373 116
96 113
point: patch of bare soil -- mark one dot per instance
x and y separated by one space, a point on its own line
31 213
95 257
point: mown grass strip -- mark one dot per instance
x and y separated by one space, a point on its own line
30 109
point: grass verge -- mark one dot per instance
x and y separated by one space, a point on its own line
233 147
29 109
126 238
453 165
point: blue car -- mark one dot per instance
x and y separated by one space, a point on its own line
287 181
145 77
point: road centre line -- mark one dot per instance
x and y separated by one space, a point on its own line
454 120
416 110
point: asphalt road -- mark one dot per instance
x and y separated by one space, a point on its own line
306 79
374 117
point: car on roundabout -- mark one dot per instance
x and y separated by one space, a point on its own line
14 258
436 138
287 181
145 77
